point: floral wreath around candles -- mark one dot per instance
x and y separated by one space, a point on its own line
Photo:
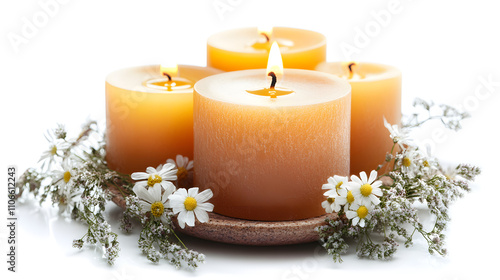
373 210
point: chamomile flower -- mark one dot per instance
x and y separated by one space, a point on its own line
190 203
366 190
359 214
67 200
161 175
155 199
409 160
183 164
398 136
334 202
64 179
337 184
56 149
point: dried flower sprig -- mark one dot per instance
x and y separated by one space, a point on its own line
73 174
411 177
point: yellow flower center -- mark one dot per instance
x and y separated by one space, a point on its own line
330 200
53 150
362 212
337 187
426 163
350 197
406 161
181 173
366 189
67 176
190 203
153 180
157 209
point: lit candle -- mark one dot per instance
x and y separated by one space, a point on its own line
149 115
247 48
265 146
376 93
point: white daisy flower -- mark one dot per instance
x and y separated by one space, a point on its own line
155 199
398 136
366 190
161 175
183 165
65 178
337 184
56 149
334 201
409 162
359 214
67 201
189 203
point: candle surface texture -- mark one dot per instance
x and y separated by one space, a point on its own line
148 119
267 158
376 93
245 48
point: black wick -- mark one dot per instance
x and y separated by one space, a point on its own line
265 35
168 76
273 81
350 66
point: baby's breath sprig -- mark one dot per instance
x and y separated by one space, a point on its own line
73 174
411 177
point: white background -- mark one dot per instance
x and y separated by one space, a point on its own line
56 75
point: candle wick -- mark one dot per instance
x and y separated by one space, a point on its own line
267 36
273 81
351 72
168 76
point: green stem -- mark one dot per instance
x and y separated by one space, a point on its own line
179 240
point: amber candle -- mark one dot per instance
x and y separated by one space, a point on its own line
248 48
376 93
265 151
149 115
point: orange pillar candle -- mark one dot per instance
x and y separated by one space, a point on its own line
149 118
376 93
265 151
248 48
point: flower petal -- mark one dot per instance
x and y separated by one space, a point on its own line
139 176
155 192
181 218
190 165
209 207
204 196
192 192
374 199
355 179
373 176
350 214
201 215
190 218
362 175
151 170
143 193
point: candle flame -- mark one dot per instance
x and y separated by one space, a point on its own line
169 70
266 31
275 62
